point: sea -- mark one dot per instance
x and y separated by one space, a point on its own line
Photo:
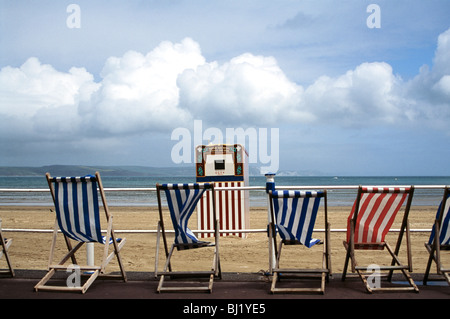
423 196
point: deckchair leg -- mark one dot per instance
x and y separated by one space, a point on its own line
160 284
215 272
274 280
447 277
44 279
348 255
430 260
328 249
433 257
395 260
89 282
116 253
5 244
325 276
326 261
166 266
216 265
41 285
324 273
275 269
96 271
157 249
396 266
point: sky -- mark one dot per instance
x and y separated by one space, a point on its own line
350 87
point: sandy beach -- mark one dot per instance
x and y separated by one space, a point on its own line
30 250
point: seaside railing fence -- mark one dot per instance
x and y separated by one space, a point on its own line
252 188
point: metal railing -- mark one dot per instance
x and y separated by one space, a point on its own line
236 188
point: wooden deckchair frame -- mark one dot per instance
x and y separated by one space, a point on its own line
5 244
277 272
215 271
434 249
92 272
351 246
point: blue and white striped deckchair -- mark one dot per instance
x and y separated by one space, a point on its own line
294 216
442 241
77 209
182 200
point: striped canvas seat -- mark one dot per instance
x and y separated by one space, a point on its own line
444 229
182 199
440 242
370 220
293 216
377 210
77 210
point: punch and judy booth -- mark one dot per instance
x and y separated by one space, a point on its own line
226 165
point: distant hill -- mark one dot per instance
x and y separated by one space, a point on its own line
80 170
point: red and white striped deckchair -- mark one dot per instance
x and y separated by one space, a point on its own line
371 218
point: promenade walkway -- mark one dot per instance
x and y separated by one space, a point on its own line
142 285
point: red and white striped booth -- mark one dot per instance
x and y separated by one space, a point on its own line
226 166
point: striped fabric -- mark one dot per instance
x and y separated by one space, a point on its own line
377 210
295 215
444 234
182 200
77 208
232 210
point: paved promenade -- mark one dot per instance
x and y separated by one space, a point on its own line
232 286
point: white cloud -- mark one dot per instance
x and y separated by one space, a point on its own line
429 91
33 86
369 94
37 98
441 69
173 84
443 85
140 93
442 57
248 89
